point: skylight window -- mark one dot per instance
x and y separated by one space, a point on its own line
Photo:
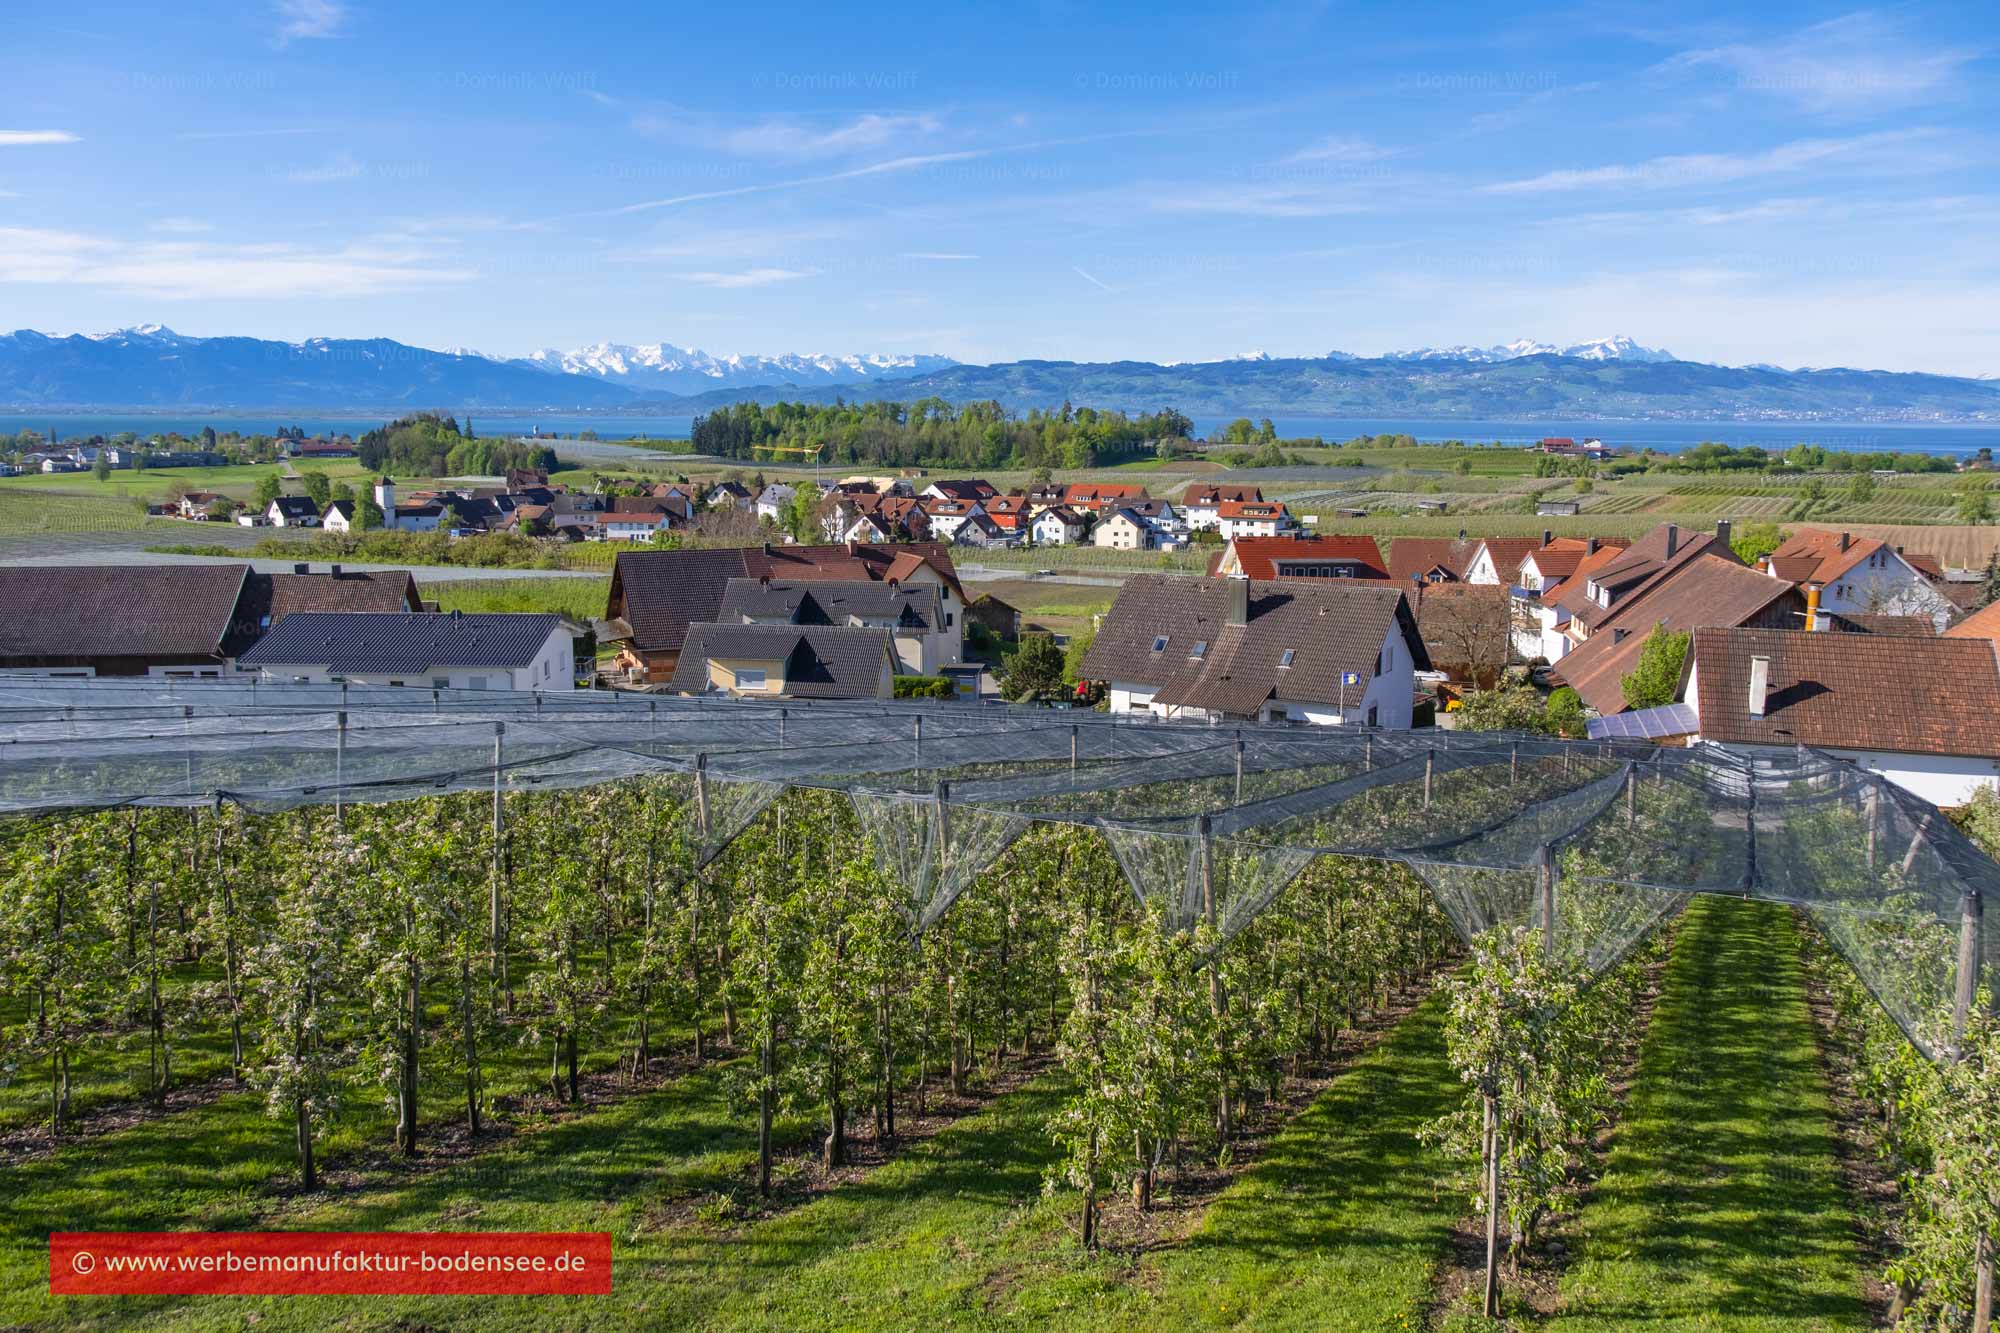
1285 659
1160 644
1200 650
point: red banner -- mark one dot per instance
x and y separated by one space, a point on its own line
329 1263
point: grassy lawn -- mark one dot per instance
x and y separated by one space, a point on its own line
1721 1206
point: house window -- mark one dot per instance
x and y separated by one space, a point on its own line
1285 659
1160 644
1200 650
440 682
750 679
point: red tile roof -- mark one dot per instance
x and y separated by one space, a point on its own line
1981 624
1257 557
1814 555
1411 558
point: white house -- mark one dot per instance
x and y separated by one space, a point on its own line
948 516
1857 575
429 650
1122 530
1251 518
293 511
1320 651
1060 526
1201 506
775 500
339 517
1922 712
635 525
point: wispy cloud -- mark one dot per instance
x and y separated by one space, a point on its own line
18 138
1303 200
1341 148
1092 279
1696 169
183 270
792 139
1861 62
342 167
756 277
937 256
182 226
308 20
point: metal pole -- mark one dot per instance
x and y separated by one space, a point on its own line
339 760
499 833
1217 998
783 713
1870 811
1368 753
1548 876
1631 795
1072 746
701 794
1239 769
1514 765
1971 913
917 740
1430 762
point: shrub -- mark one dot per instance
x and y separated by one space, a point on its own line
924 687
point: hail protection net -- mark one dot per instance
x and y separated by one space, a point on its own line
1624 830
933 850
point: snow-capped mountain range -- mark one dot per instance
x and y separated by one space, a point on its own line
664 367
1616 348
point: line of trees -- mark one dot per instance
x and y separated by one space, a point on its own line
932 432
427 444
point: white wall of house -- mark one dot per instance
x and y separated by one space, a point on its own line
1946 780
634 529
334 521
1120 533
1253 527
1051 530
1202 517
1883 584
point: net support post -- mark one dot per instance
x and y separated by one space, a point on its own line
1430 765
1631 795
1239 769
494 923
1545 865
1073 729
340 759
917 740
701 794
1514 763
1971 923
1218 998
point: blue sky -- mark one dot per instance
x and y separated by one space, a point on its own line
1807 184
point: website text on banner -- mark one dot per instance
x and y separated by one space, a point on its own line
329 1263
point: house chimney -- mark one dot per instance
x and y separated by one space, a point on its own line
1618 633
1760 684
1846 540
1812 607
764 582
1590 546
1548 535
1239 599
1722 533
1673 539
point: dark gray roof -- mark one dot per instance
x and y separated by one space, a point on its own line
821 662
362 643
170 611
915 606
297 506
1331 625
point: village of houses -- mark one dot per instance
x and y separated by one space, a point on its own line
1832 641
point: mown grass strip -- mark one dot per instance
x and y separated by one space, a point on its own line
1721 1205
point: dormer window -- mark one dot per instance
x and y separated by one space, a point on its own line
1200 650
1160 644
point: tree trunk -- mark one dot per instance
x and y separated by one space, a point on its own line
308 1176
412 1040
570 1040
1982 1285
764 1097
1090 1195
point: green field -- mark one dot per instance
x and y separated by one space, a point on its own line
580 599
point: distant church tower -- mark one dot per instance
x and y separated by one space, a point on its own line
385 500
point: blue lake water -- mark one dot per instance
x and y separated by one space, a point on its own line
1670 436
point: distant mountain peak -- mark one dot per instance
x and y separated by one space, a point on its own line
159 331
1615 348
665 366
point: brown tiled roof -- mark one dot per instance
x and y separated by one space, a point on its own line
1924 563
1258 557
1442 609
269 598
1411 558
1851 691
1558 559
1507 553
661 593
1637 571
1814 555
1208 493
57 616
1331 625
1981 624
1707 590
1871 622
